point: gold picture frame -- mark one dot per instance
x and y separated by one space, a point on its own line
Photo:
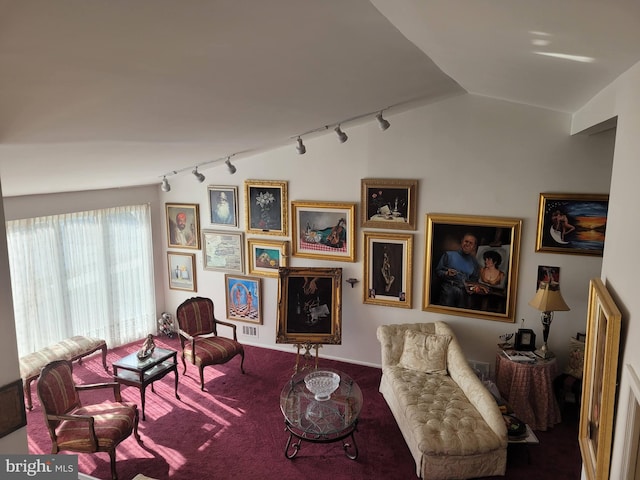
182 271
309 305
572 223
267 256
600 377
389 203
183 225
324 230
451 286
388 261
266 205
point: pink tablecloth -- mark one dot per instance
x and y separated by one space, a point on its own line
528 389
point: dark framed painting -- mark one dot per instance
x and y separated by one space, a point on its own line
324 230
471 266
600 376
13 414
389 203
388 261
309 305
267 256
182 271
572 223
244 299
266 206
183 225
223 251
223 205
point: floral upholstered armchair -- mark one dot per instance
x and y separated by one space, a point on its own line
74 427
199 339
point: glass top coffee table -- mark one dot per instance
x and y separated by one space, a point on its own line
132 371
321 421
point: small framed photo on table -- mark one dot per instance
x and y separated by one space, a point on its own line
525 340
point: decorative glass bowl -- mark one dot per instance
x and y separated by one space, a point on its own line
322 384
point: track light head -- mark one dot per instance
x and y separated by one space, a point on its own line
382 123
230 166
198 175
300 147
341 135
165 187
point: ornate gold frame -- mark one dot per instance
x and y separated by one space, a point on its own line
443 233
388 263
298 305
254 212
597 409
308 218
255 244
404 191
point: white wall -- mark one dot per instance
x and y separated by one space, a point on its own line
472 155
620 261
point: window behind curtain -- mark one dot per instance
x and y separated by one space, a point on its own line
87 273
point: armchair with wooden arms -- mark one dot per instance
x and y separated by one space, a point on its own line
199 339
91 428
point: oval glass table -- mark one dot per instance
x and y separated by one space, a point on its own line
321 421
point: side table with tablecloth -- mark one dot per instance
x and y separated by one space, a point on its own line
528 389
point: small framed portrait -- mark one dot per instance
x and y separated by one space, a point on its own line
182 271
267 256
223 251
244 301
183 225
548 275
223 205
309 305
266 206
572 223
388 269
471 266
525 340
389 203
324 230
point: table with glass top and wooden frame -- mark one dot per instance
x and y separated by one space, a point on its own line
321 421
139 373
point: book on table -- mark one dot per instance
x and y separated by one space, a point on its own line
520 356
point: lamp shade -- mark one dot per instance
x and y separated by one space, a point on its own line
548 300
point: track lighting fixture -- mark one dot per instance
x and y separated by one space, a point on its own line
382 123
300 147
230 166
165 187
198 175
341 135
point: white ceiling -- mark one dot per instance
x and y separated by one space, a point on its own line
120 92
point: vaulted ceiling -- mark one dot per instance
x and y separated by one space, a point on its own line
120 92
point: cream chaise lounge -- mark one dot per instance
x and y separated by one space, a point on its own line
450 421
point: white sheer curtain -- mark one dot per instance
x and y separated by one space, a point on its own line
87 273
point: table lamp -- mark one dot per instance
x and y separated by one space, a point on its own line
547 300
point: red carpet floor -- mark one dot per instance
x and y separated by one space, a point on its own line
235 429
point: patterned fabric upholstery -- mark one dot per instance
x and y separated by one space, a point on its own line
201 345
451 423
95 428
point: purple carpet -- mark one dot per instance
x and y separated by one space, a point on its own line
235 429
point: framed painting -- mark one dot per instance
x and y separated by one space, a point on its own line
244 299
471 266
266 205
13 414
223 251
599 381
309 305
267 256
388 260
182 271
572 223
223 205
389 203
183 225
548 275
324 230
